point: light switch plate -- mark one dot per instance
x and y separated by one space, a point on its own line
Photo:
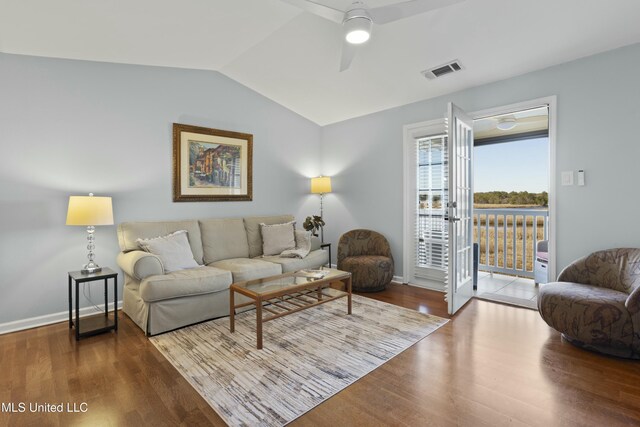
567 178
581 177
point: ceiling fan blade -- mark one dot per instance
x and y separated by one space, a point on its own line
319 9
348 53
394 12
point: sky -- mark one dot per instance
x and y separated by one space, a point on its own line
512 166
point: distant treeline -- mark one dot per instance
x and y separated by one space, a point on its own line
512 198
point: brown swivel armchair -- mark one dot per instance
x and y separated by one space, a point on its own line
595 303
367 256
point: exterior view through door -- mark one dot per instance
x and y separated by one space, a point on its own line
511 209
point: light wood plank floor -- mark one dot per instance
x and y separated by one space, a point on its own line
492 365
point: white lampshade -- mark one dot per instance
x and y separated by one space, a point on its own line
321 185
89 210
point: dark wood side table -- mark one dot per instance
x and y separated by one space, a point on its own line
327 245
92 325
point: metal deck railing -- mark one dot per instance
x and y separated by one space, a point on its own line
507 239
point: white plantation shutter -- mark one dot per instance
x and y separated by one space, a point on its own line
431 226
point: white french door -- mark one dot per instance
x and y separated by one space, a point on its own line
438 238
459 284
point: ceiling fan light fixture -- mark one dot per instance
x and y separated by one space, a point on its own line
507 123
357 27
357 36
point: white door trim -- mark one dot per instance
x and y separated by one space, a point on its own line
551 102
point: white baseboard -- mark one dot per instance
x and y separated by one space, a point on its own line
48 319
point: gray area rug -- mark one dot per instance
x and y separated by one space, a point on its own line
307 356
520 302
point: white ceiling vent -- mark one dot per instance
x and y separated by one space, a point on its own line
442 70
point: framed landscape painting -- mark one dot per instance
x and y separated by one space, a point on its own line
211 165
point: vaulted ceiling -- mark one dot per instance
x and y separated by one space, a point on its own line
292 56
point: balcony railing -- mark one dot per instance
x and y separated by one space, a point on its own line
508 237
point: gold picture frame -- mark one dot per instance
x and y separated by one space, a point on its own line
211 165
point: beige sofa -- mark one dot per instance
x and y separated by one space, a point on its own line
228 250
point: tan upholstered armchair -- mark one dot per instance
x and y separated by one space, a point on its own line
367 255
595 303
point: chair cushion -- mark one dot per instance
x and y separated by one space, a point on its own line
369 272
194 281
590 314
314 260
244 269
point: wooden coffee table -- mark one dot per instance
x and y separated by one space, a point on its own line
288 293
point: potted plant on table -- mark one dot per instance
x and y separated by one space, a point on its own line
313 223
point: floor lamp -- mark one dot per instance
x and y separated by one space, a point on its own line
321 185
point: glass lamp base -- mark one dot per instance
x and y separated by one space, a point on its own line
91 268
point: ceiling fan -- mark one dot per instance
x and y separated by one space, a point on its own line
357 21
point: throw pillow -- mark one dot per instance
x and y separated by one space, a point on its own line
173 250
277 238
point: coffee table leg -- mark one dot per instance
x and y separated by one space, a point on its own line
348 295
232 311
259 322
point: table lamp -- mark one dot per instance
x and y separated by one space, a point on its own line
90 211
321 185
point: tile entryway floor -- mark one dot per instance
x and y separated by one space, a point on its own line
507 286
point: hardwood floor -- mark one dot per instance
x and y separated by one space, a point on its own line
491 365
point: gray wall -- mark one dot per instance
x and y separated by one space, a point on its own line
73 127
598 102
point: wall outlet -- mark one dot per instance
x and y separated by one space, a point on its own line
567 178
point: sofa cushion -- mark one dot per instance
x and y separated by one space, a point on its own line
223 239
277 237
128 232
173 250
248 269
315 259
589 314
252 225
194 281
